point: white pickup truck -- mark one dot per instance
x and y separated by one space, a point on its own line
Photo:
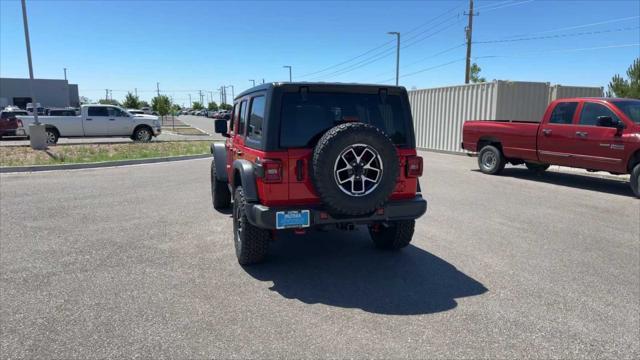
98 121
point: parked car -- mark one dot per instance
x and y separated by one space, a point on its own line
212 114
597 134
98 121
302 156
10 125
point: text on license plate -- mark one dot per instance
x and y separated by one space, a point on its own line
292 219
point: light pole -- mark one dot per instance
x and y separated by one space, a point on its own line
253 81
36 130
232 92
397 34
65 73
65 79
288 66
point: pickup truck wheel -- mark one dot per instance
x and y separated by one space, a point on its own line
490 160
52 136
634 181
220 194
354 168
142 134
396 235
250 241
537 168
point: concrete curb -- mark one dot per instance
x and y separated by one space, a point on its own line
34 168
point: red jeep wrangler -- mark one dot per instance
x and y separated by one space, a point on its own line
309 155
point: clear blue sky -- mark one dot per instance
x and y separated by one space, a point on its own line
190 45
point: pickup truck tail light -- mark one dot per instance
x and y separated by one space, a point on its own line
414 166
272 171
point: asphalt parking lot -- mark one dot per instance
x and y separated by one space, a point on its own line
133 261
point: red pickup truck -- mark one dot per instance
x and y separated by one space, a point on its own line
597 134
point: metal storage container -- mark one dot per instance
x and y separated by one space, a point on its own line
563 92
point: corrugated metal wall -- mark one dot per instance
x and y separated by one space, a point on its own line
438 113
563 92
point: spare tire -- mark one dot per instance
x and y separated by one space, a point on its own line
354 169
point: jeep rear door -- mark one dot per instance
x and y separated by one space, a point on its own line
305 117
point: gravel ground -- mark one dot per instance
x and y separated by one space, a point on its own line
134 262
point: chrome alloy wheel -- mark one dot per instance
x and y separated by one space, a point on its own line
358 170
489 160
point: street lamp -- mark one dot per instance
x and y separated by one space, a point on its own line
232 92
397 34
288 66
253 81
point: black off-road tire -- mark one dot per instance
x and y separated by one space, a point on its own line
220 194
634 181
393 237
327 151
536 168
490 160
251 242
52 136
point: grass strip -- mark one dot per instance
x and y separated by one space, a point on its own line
89 153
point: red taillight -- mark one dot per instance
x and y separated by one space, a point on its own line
414 166
272 171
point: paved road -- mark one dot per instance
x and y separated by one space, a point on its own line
203 123
133 261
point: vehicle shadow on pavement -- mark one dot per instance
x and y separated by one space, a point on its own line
611 186
344 269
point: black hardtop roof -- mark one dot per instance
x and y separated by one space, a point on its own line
269 86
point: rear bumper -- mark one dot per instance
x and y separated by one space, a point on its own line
265 217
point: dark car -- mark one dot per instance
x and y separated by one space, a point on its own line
10 125
301 156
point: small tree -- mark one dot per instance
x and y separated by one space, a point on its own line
474 74
161 104
225 107
109 102
131 101
626 88
144 104
212 106
197 105
175 107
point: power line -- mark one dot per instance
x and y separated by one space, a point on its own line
557 36
429 68
573 27
380 46
505 6
556 51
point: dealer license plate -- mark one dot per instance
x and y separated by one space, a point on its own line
292 219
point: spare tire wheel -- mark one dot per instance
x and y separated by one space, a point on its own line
354 169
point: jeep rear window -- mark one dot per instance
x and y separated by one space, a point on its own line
304 118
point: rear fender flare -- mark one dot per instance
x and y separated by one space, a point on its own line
243 175
219 153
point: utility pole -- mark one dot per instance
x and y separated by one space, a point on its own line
136 91
65 73
106 94
158 88
210 95
189 101
397 34
469 33
200 92
110 94
288 66
65 79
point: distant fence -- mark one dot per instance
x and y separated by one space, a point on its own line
438 114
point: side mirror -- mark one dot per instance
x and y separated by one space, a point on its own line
220 127
608 121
